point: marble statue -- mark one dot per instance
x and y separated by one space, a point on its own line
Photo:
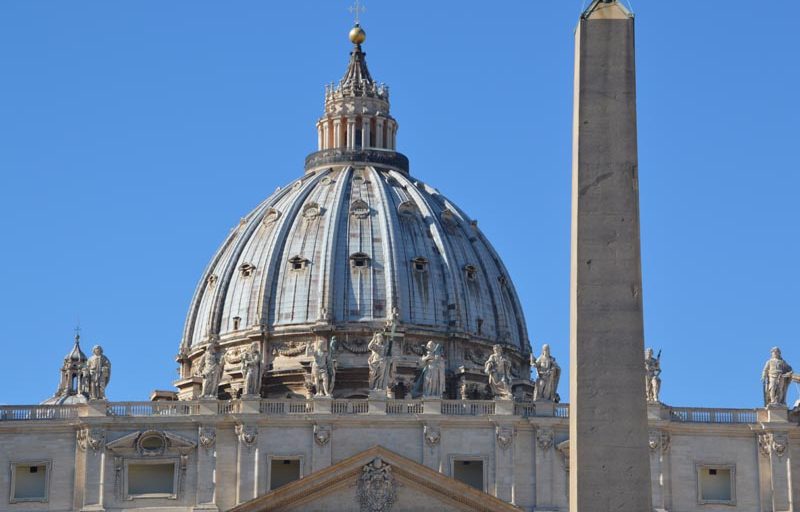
498 369
98 368
323 366
548 373
251 370
381 365
431 382
652 367
776 376
211 370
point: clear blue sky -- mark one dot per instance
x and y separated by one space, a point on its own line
135 134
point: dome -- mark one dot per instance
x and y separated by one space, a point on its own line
353 243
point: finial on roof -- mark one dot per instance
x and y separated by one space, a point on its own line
357 34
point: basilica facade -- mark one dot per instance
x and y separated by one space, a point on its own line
356 344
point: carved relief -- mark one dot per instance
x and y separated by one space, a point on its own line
544 438
355 346
311 211
377 489
359 209
773 443
432 435
505 435
271 216
91 438
658 439
247 434
289 348
207 437
322 434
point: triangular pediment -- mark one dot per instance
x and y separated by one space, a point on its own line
338 488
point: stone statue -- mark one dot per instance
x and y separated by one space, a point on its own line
548 374
251 370
498 369
211 370
381 365
323 366
776 376
652 367
99 373
432 378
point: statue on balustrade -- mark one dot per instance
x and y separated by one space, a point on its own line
211 370
99 373
652 368
776 376
548 373
251 370
323 366
498 369
431 382
380 362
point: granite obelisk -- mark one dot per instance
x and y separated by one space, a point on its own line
609 458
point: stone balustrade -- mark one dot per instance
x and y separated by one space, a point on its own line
281 407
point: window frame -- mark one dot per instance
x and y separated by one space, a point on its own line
453 458
271 457
151 461
699 466
47 463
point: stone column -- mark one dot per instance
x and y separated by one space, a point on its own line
379 134
775 470
321 456
351 133
247 463
326 136
660 470
547 467
609 459
91 442
364 133
320 137
504 462
206 468
432 446
337 133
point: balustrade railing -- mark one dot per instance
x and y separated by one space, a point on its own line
349 407
38 412
700 415
151 408
278 407
468 407
404 407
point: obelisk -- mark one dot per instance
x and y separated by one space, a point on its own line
609 458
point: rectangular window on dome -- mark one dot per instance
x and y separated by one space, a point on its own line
716 484
151 479
469 470
29 481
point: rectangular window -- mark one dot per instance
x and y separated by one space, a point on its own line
29 481
716 484
151 480
283 471
469 472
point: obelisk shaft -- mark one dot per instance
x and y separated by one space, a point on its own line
609 458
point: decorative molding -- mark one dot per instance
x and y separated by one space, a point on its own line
322 434
377 489
544 438
773 443
659 439
247 434
135 444
432 435
505 436
355 346
91 438
207 436
289 348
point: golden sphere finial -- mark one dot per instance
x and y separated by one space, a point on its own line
357 34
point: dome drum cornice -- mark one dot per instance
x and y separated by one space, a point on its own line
358 157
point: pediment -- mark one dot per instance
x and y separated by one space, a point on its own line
160 442
410 485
